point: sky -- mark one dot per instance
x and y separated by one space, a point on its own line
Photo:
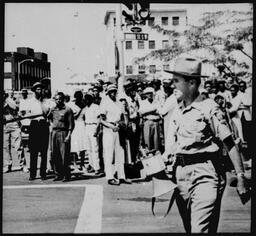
72 34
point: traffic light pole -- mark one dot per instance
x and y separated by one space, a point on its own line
120 46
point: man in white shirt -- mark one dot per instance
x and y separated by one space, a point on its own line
38 132
91 114
169 107
24 110
151 118
110 111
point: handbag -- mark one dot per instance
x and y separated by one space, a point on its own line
153 163
132 171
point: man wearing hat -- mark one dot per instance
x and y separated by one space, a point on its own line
151 119
198 171
169 107
134 118
38 132
110 111
221 84
11 134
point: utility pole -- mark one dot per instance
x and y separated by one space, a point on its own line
120 46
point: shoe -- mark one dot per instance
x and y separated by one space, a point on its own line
90 169
113 182
31 178
66 180
99 173
8 169
125 181
49 171
25 169
43 178
58 178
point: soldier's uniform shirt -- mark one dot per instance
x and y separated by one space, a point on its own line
193 127
201 184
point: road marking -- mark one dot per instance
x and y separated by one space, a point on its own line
90 216
89 220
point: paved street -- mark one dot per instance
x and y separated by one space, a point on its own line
89 205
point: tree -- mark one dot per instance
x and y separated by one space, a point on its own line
220 34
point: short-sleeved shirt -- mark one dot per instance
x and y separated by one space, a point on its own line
62 118
112 110
24 105
91 114
38 107
197 125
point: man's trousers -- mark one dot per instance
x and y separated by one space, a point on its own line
38 142
113 153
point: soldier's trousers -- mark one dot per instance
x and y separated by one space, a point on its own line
201 188
60 153
38 142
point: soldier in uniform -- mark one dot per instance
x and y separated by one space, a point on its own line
199 174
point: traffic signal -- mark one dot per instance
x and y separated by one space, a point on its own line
144 10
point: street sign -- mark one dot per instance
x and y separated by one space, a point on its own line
135 36
136 29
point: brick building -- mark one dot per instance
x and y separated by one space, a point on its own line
25 67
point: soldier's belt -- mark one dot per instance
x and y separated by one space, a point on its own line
190 159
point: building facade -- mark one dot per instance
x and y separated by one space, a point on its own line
165 19
25 67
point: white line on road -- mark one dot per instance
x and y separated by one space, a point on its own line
89 220
90 216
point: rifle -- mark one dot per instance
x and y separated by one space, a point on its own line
22 118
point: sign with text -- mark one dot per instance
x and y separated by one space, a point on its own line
136 36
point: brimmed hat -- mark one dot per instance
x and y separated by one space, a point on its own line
111 87
24 91
148 90
186 66
88 94
36 85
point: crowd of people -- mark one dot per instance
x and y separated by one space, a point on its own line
101 130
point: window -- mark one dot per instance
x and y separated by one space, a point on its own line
151 44
166 67
151 21
176 42
175 20
129 70
140 44
152 69
165 44
142 69
128 45
164 20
